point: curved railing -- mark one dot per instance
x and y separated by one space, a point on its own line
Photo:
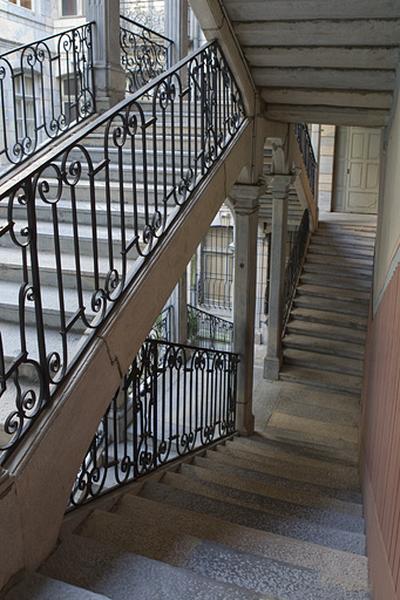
46 87
306 148
81 223
145 54
175 399
206 329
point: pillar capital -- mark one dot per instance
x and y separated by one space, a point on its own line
281 184
244 198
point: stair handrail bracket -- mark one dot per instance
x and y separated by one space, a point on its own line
145 53
46 88
80 224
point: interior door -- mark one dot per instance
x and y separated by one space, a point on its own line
362 174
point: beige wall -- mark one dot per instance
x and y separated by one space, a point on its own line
388 237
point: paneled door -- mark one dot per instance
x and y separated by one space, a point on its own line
362 170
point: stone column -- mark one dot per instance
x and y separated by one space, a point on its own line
180 301
109 78
280 185
176 27
244 200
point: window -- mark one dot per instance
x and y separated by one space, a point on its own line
24 107
217 259
24 3
69 8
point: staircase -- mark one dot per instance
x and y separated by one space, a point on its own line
254 518
325 336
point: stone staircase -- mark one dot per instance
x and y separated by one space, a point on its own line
249 519
325 336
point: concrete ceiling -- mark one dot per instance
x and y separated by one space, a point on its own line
321 61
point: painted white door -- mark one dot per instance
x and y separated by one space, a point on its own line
362 170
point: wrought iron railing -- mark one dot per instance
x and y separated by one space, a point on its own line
145 54
295 265
306 148
208 330
165 409
76 222
163 327
46 87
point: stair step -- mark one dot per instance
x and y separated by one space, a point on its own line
306 469
331 306
324 331
107 570
241 492
347 384
210 559
333 293
34 586
322 317
349 244
261 443
236 467
345 272
343 568
332 538
317 345
363 256
345 283
324 362
306 473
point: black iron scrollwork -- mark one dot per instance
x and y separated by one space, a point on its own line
206 329
75 225
145 54
306 148
174 399
46 87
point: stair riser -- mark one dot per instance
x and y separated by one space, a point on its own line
48 276
332 320
354 355
353 371
339 337
46 244
353 285
352 391
336 252
339 308
358 298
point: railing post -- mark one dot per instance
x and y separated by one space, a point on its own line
245 202
280 185
176 28
109 78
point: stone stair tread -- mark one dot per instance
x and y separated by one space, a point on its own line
304 444
332 306
332 538
338 476
333 565
236 491
314 315
325 362
346 271
336 281
341 252
349 243
332 380
325 331
34 586
344 295
108 570
235 466
211 559
285 469
260 446
324 414
324 346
